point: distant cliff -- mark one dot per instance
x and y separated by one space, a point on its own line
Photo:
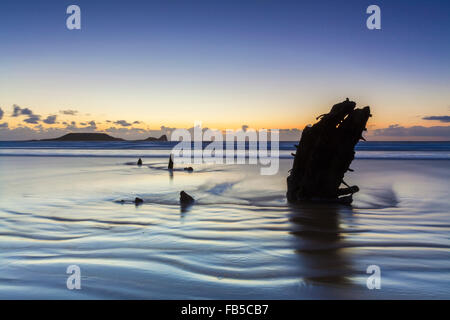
85 137
98 137
162 138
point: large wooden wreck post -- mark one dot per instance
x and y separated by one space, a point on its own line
325 153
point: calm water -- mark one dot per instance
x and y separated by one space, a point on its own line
60 205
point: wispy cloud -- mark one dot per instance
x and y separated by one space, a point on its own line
89 126
396 130
290 134
438 118
92 125
68 112
122 123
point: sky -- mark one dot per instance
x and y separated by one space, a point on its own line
139 68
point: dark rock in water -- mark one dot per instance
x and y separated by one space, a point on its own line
138 201
139 163
170 166
325 153
189 169
185 199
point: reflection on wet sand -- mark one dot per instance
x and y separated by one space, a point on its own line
319 242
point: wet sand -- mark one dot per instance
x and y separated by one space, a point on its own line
240 240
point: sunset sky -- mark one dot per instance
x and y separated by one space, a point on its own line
138 65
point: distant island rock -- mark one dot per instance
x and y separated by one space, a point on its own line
87 136
162 138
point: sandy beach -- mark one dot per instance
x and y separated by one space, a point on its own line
241 239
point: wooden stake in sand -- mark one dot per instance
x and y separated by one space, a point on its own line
325 153
170 165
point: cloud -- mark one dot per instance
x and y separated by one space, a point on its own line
40 132
136 122
18 111
126 131
1 114
166 130
122 123
33 119
244 127
438 118
293 134
396 130
92 125
27 133
68 112
50 119
72 126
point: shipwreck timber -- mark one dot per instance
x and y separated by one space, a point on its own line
324 155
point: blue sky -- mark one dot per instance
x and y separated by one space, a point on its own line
227 63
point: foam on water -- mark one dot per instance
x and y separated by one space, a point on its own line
126 149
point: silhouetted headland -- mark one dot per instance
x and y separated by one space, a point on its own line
85 137
163 138
88 136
